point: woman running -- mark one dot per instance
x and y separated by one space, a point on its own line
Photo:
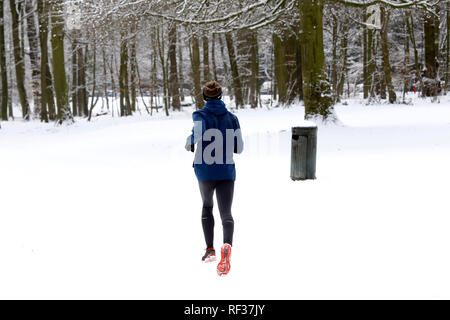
217 135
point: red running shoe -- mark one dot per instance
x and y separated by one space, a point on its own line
224 265
209 256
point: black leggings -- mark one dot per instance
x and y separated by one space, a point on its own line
224 194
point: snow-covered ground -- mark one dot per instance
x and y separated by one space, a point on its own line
111 209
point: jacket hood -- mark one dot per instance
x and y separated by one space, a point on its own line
216 107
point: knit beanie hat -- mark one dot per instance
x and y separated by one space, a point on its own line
212 91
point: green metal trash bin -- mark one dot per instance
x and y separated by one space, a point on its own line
304 152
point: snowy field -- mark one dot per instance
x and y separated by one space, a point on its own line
111 209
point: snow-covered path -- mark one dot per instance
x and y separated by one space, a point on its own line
112 209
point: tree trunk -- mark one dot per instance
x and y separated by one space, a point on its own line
293 66
242 45
406 77
33 41
74 89
281 72
10 94
19 58
81 78
254 66
125 106
234 71
105 77
410 27
164 67
316 88
225 68
153 98
344 51
113 84
133 67
371 61
195 62
249 65
181 72
94 81
385 52
299 69
43 37
206 68
381 74
48 110
213 57
58 62
431 39
173 77
50 93
447 62
3 69
83 64
334 62
366 75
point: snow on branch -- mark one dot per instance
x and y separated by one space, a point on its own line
216 15
394 4
180 15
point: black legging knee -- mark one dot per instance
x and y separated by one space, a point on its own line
224 194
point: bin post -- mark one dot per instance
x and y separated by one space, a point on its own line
304 153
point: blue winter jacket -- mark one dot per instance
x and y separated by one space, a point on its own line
215 115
